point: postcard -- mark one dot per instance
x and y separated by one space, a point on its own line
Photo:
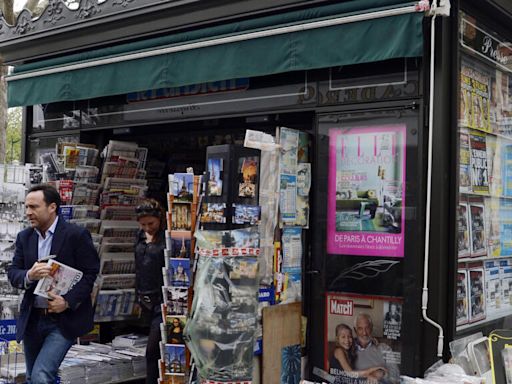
248 176
213 213
214 187
246 214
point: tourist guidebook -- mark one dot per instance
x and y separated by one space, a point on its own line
366 191
60 281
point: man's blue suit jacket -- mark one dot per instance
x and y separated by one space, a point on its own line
73 246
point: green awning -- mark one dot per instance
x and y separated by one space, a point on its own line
326 46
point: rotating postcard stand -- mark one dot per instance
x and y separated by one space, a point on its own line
221 329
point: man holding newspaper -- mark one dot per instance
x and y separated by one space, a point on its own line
57 304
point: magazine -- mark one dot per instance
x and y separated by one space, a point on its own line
478 239
462 314
464 163
477 310
61 280
492 286
479 165
463 230
345 315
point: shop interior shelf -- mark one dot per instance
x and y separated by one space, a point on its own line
490 318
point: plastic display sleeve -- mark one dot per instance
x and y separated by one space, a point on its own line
221 330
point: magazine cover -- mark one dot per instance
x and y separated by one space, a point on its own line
477 310
462 314
363 333
492 225
479 165
505 223
248 176
464 163
475 98
506 169
366 191
492 286
494 155
477 220
506 282
61 280
463 230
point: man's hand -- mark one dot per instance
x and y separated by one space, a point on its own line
56 303
38 271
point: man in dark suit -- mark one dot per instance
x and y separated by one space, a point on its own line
48 327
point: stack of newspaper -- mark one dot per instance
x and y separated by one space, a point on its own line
123 188
72 371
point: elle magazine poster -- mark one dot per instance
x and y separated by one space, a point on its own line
366 191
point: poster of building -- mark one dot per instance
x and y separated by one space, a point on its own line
366 191
362 338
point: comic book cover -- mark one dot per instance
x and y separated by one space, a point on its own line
477 310
479 164
464 163
462 314
477 229
463 230
363 333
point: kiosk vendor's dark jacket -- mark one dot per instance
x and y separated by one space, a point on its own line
73 246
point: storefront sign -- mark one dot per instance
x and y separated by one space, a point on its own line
485 45
189 90
366 192
214 104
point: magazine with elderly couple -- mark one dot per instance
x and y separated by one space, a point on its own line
363 339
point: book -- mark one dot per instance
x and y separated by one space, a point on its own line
61 280
479 164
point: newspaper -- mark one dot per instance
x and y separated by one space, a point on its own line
60 281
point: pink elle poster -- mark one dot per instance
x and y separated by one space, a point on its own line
366 191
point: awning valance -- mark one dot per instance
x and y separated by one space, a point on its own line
352 32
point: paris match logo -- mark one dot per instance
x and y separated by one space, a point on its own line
341 307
